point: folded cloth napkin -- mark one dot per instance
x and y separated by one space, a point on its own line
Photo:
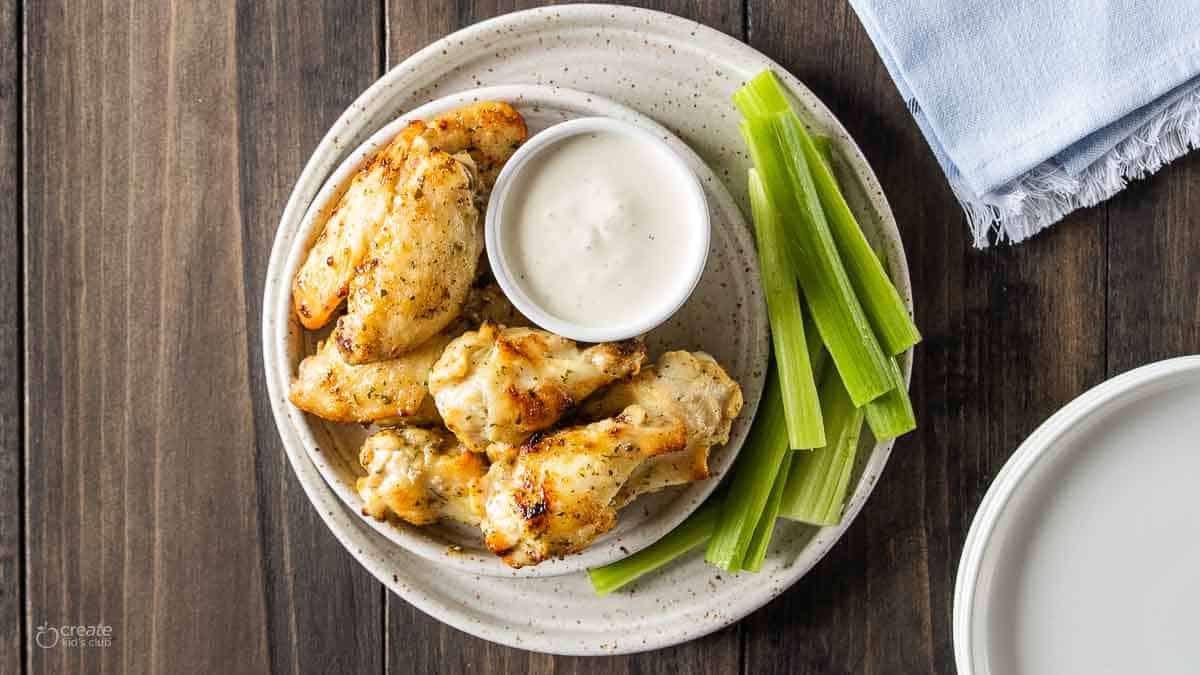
1035 108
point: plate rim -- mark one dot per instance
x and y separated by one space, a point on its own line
1037 447
732 50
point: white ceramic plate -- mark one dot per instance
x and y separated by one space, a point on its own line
681 74
1085 554
739 342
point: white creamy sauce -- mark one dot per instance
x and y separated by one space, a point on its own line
599 229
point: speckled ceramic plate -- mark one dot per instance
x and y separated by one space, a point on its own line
681 74
724 316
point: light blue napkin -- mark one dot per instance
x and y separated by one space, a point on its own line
1036 108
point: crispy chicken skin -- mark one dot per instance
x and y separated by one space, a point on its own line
324 279
554 495
396 389
489 132
420 266
499 385
328 387
690 387
420 476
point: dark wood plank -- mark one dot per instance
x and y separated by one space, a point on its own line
300 64
1153 273
12 624
420 644
139 449
1011 334
159 501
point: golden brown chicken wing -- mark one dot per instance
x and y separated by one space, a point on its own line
554 496
420 266
420 476
324 279
690 387
501 384
489 132
392 390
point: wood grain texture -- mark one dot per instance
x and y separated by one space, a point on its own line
1010 335
12 621
417 643
163 140
299 66
139 454
1154 268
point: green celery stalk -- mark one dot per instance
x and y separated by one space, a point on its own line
761 96
764 96
686 536
830 297
766 524
891 415
884 307
818 480
753 477
800 404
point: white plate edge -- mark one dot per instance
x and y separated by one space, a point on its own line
1008 480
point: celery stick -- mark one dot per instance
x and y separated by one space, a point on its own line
891 415
800 404
764 96
753 477
886 310
761 96
818 480
830 297
766 524
686 536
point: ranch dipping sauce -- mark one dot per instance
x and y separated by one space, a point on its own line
600 229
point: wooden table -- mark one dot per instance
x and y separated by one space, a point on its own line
146 151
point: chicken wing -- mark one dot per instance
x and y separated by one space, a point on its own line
554 496
324 279
489 132
394 389
501 384
419 267
420 476
690 387
389 390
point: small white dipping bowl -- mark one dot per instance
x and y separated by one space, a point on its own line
655 312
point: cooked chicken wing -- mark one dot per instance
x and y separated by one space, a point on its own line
420 476
554 496
690 387
328 387
394 389
324 279
501 384
420 266
489 132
